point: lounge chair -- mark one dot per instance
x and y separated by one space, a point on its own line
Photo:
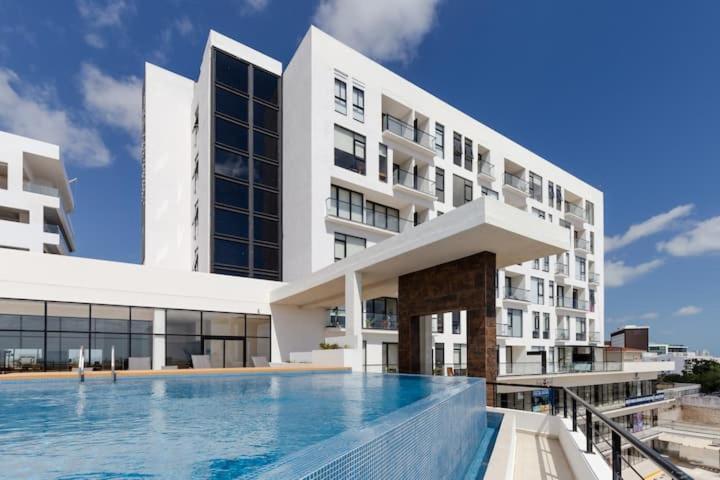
201 361
139 363
260 361
450 372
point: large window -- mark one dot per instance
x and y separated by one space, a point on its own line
346 204
340 96
468 154
358 104
346 245
457 149
456 322
440 140
440 184
590 212
381 216
383 163
439 356
462 191
489 192
349 150
535 186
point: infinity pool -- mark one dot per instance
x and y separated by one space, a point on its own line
222 426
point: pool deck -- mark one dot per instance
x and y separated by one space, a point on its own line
285 368
540 457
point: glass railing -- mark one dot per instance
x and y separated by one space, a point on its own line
517 294
582 244
594 277
580 336
562 269
595 337
562 334
574 303
537 368
50 228
486 168
573 209
359 214
416 182
516 182
41 189
508 330
380 321
407 131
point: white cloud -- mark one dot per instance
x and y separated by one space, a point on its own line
30 111
114 102
618 274
381 29
649 227
632 318
687 311
703 238
109 13
184 26
252 6
94 40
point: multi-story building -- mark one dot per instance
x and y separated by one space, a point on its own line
35 197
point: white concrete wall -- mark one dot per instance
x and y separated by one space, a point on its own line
167 170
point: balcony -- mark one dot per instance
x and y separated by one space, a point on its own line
41 189
574 212
411 183
562 334
580 336
594 278
380 321
595 337
517 294
582 245
408 134
508 330
344 211
537 368
50 228
562 269
515 184
486 170
568 303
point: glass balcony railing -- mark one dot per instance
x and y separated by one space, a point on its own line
41 189
50 228
580 336
582 244
562 334
359 214
594 277
380 321
516 182
518 294
486 168
562 269
595 337
537 368
572 303
408 132
508 330
415 182
575 210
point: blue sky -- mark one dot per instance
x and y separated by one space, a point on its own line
625 95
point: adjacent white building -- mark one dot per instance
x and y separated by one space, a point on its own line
35 197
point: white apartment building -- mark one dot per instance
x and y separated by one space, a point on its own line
35 197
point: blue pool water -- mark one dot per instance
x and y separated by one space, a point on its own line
222 426
478 467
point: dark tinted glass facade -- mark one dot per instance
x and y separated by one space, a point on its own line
247 216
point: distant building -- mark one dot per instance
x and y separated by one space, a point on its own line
631 336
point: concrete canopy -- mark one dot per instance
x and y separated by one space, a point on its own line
485 224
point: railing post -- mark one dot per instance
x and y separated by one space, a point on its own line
574 416
616 456
564 403
588 431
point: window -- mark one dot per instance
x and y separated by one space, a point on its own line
546 264
231 194
265 117
439 355
231 104
349 150
3 176
383 164
231 134
438 323
535 186
266 86
231 164
266 230
457 149
266 146
346 245
231 72
592 300
346 204
468 154
558 197
440 184
462 191
266 174
539 213
592 242
536 264
551 194
489 192
358 104
440 140
232 224
382 217
536 325
538 285
546 327
590 212
580 268
514 318
340 96
456 323
580 329
551 293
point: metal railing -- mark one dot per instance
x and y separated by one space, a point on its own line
565 402
573 209
516 182
508 330
416 182
573 303
562 269
407 131
486 168
359 214
380 321
519 294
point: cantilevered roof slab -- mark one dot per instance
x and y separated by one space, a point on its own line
484 224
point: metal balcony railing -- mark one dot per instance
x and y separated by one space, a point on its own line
359 214
519 294
562 334
575 210
416 182
516 182
407 131
486 168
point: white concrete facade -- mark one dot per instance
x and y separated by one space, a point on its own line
35 197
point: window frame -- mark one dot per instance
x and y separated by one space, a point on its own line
358 104
340 94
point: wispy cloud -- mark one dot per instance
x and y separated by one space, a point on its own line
687 311
94 40
703 238
108 13
618 274
386 31
32 111
182 26
116 102
649 227
253 6
632 318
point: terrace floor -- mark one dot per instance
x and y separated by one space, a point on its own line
539 457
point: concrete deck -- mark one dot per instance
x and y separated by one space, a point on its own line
289 368
539 457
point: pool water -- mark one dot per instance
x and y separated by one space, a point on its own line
478 467
222 426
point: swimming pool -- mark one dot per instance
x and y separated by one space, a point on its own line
221 426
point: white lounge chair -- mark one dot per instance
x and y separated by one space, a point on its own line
201 361
260 361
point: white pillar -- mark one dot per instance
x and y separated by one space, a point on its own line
354 317
158 355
